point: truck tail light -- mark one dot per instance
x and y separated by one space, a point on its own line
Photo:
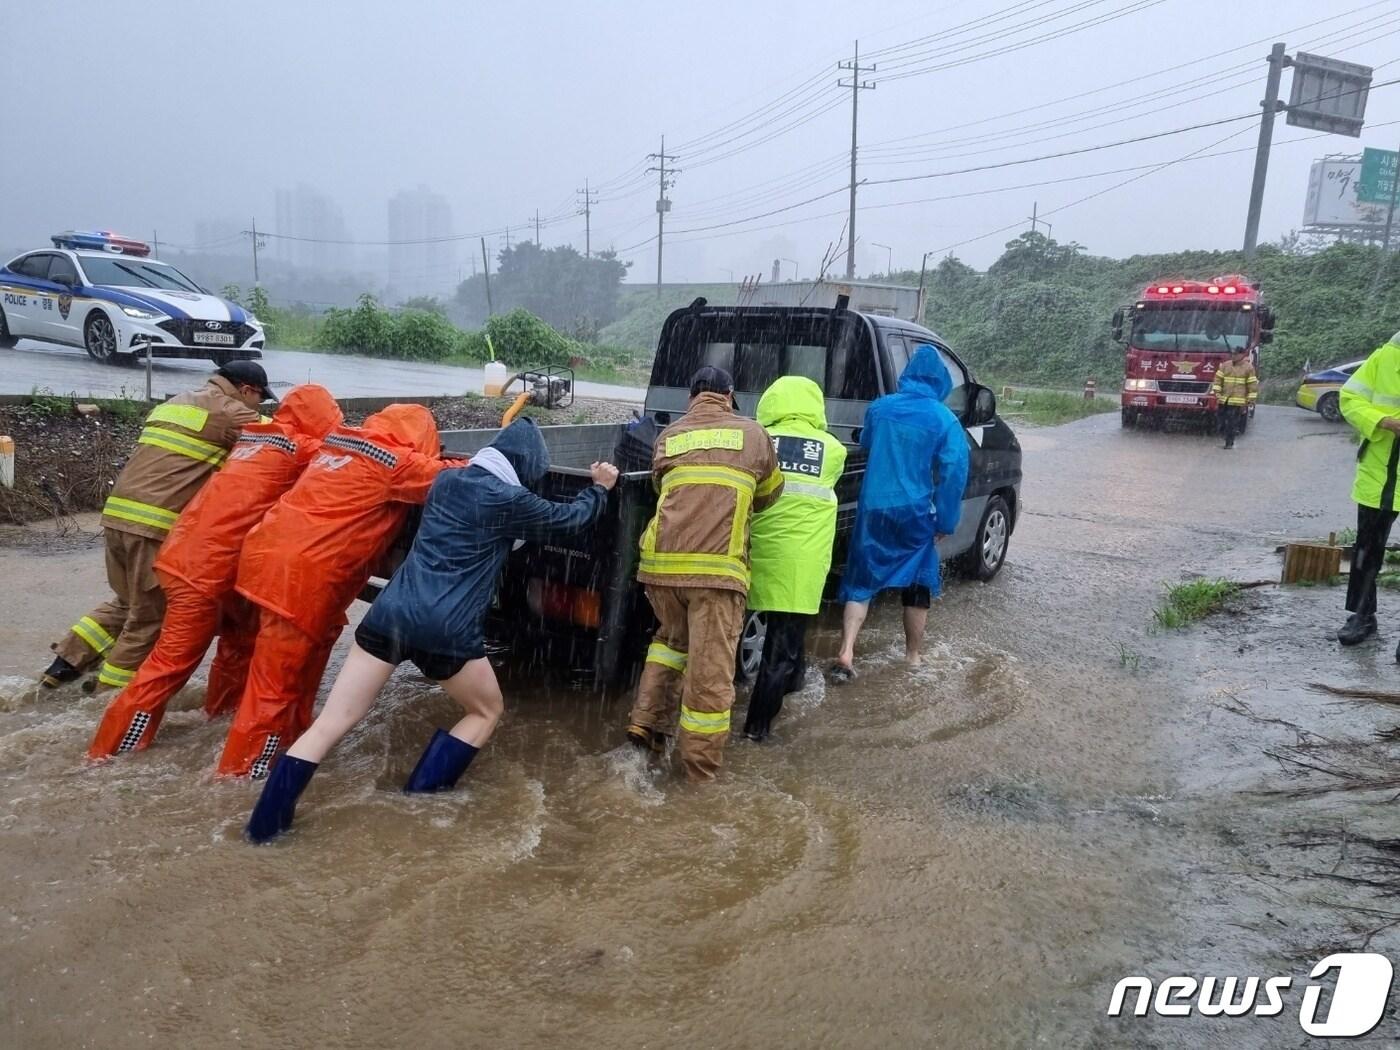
559 601
1230 289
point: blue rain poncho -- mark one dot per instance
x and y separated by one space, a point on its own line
438 599
912 439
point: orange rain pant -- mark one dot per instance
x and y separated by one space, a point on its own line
278 700
191 620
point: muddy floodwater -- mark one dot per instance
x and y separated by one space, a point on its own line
968 855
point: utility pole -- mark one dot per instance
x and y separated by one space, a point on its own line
253 233
589 199
1037 220
486 269
1390 214
662 204
155 244
1271 105
857 86
537 228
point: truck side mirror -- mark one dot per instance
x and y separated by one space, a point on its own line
1117 330
981 406
1267 320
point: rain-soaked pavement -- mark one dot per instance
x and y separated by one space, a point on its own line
969 855
62 370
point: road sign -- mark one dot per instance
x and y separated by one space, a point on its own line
1376 183
1328 95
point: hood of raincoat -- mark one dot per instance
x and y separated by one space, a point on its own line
926 375
309 410
523 444
793 397
410 425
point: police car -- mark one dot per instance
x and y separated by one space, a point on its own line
105 294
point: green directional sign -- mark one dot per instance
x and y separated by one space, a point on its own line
1378 170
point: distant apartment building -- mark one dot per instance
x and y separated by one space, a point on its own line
306 220
429 266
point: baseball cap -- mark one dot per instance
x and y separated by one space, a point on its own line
247 373
711 380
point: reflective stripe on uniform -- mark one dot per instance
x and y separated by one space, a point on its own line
771 482
695 440
806 488
111 674
140 513
191 417
660 563
1360 389
194 448
663 654
94 634
704 722
708 475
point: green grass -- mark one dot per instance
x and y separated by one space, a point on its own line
1048 408
1186 603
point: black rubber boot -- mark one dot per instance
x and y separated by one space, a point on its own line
644 738
1357 629
442 763
59 673
278 801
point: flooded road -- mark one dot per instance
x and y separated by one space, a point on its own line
968 855
63 370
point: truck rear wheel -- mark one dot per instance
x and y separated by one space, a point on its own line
750 652
987 554
1130 417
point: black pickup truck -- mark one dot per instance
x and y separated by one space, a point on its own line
580 602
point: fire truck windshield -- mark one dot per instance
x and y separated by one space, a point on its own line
1191 328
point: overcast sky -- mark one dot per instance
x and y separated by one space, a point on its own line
155 115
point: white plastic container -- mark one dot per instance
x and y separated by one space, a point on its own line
495 379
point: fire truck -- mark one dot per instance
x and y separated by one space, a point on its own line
1177 334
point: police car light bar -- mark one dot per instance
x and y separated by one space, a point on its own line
100 241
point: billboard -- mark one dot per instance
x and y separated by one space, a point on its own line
1333 200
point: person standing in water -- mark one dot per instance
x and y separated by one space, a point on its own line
911 435
433 611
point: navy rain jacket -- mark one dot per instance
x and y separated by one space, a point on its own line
437 600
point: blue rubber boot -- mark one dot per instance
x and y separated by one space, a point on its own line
442 763
277 803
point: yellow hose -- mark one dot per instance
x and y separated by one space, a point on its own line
521 400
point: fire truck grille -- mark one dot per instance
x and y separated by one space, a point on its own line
1172 386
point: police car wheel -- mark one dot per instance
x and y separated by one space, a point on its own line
100 338
750 652
1329 407
988 553
7 341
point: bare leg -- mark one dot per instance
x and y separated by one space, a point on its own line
355 690
852 619
476 689
915 620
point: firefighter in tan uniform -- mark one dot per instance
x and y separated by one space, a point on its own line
182 443
713 470
1236 389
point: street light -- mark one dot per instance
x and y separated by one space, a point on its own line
889 256
794 267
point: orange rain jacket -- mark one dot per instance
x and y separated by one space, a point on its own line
203 547
312 553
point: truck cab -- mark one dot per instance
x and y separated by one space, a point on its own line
1177 334
580 601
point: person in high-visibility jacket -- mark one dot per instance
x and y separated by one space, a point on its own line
714 469
791 548
307 560
182 443
1370 402
1236 389
198 565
